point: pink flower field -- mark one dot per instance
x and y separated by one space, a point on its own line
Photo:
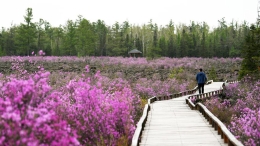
53 107
239 109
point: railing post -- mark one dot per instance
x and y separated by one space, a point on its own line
219 130
225 139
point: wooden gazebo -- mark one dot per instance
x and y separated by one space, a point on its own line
135 53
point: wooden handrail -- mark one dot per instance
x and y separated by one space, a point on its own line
210 94
213 120
228 137
141 124
216 123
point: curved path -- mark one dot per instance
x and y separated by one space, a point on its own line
173 123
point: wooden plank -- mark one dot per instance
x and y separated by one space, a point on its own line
171 122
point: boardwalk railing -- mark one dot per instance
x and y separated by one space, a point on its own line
141 124
228 137
187 92
213 120
193 98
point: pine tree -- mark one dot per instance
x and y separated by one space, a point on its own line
29 29
251 54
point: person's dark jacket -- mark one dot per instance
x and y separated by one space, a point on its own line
201 78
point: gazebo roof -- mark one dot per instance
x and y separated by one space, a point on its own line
134 51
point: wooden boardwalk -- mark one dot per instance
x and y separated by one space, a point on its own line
173 123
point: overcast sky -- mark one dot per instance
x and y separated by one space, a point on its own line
138 12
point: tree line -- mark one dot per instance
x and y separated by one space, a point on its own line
82 37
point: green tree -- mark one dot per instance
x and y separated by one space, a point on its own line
86 38
21 41
69 39
40 35
184 42
57 37
251 54
204 47
2 42
25 35
170 41
7 44
101 31
163 46
155 50
48 38
29 30
114 41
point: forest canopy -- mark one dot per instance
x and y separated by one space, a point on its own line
81 37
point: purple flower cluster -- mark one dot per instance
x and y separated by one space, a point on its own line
246 127
161 63
102 112
242 102
90 110
41 53
70 108
28 116
148 88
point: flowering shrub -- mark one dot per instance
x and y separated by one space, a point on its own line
160 63
27 116
240 110
148 88
41 53
89 110
246 127
98 114
85 108
221 109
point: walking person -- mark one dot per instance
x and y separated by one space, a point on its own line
201 80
